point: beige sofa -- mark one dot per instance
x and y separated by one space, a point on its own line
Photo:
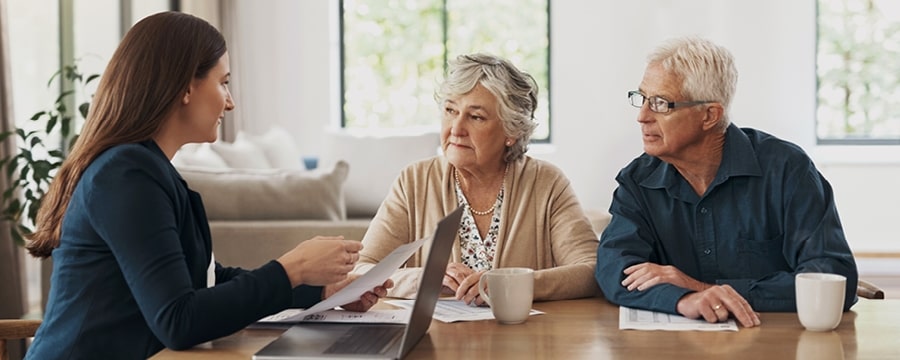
261 203
255 215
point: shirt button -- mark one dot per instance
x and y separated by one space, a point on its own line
707 251
703 211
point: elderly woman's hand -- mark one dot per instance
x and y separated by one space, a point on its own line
468 289
456 273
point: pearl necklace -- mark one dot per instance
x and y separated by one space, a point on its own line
476 212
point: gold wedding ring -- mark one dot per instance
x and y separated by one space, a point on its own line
717 307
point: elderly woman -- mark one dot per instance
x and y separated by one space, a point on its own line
519 211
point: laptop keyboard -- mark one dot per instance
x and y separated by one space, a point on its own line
366 340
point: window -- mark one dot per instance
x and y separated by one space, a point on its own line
395 53
858 72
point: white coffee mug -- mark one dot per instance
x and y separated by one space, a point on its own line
509 293
820 300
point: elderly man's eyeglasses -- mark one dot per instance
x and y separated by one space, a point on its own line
658 104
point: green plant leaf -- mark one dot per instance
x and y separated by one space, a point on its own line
38 115
72 143
83 109
11 170
52 77
41 170
7 194
66 127
30 170
50 124
17 236
62 96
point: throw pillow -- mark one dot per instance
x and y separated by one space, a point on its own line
242 154
278 146
270 194
198 155
377 161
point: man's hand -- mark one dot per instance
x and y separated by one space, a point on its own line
646 275
715 304
366 301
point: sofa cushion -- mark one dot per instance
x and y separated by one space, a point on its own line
241 154
277 145
200 155
270 194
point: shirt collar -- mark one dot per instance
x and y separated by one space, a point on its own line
738 159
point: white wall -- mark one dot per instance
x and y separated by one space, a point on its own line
599 50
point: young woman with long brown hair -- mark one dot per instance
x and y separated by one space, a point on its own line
133 269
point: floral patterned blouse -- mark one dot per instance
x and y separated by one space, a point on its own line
477 253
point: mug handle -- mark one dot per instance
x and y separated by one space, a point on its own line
481 285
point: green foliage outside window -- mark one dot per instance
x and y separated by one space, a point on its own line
858 69
394 54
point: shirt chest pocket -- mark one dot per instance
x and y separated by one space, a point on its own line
760 255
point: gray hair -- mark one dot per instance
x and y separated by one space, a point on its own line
707 70
516 93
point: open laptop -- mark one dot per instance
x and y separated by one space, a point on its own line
374 341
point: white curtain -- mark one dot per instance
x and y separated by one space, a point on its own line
11 292
222 15
231 29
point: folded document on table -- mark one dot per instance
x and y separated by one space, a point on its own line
636 319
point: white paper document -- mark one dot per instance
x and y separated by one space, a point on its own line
382 316
452 310
374 277
635 319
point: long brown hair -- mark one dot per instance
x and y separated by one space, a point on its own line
146 78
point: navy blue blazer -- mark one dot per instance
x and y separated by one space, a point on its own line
129 276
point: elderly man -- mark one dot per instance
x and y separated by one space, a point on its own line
713 220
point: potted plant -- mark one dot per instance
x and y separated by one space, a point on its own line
40 153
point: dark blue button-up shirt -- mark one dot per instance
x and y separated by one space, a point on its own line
767 215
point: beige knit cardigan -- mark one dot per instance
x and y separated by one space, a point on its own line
542 226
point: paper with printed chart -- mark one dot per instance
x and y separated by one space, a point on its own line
635 319
374 277
452 310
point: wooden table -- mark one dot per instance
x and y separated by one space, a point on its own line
588 329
